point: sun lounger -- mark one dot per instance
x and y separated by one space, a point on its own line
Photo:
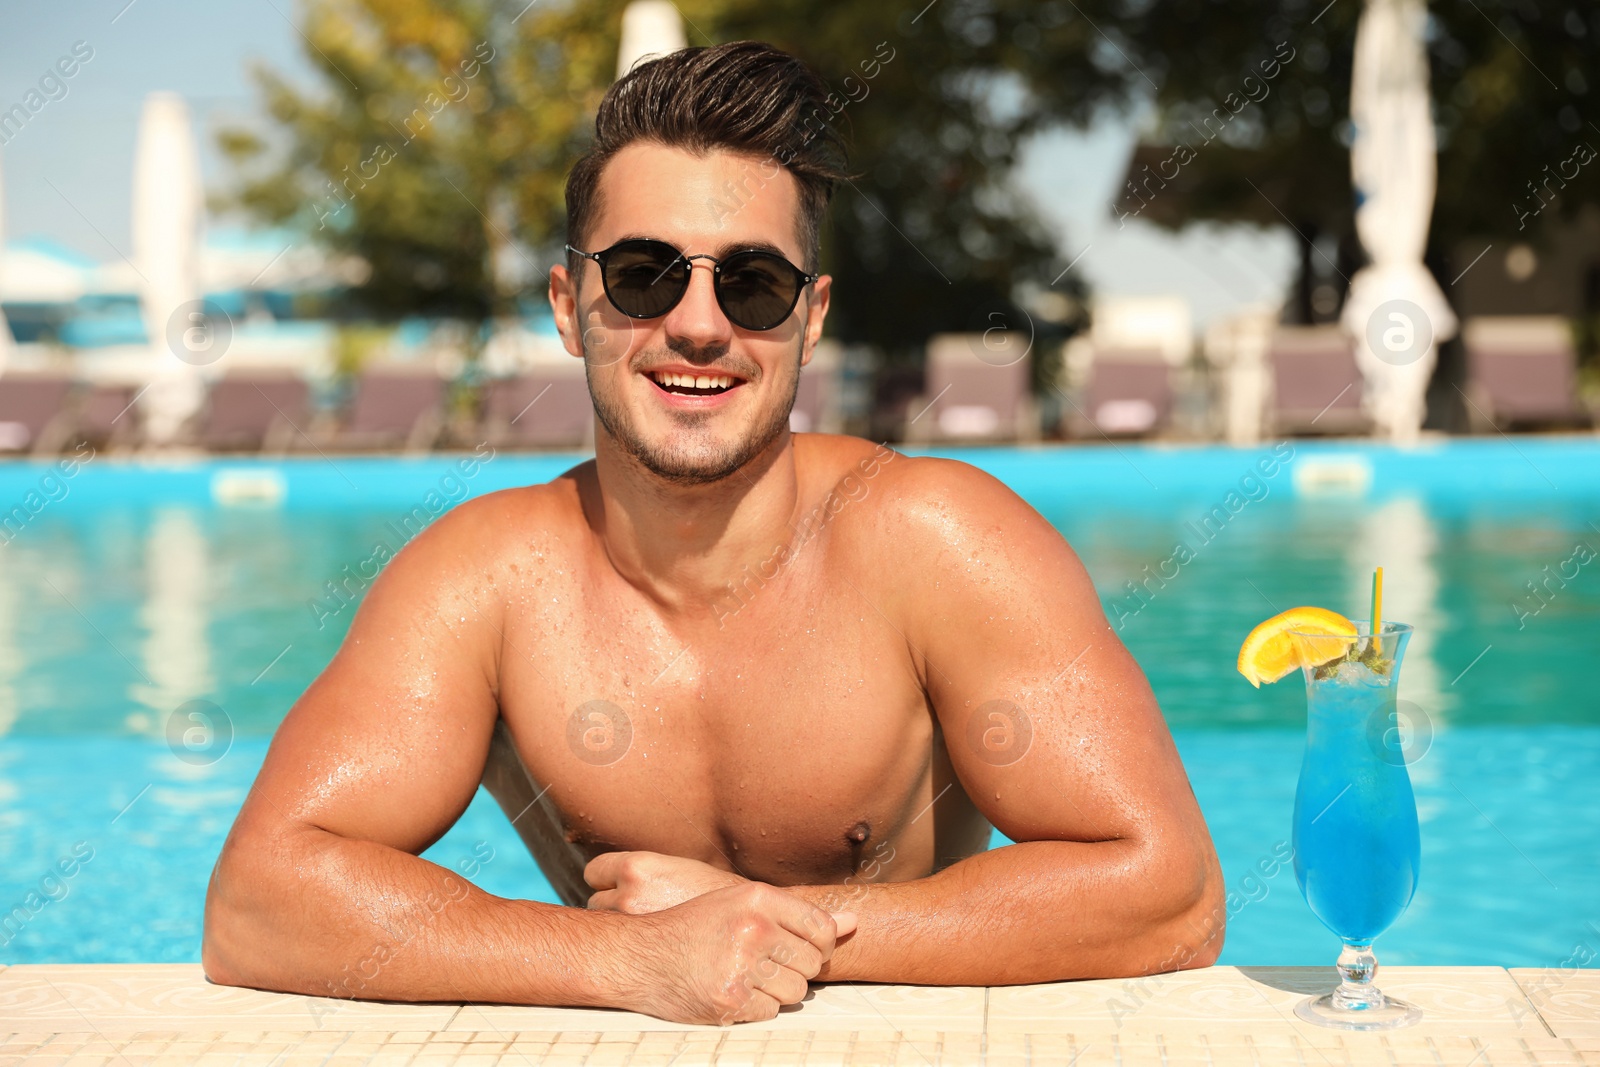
394 409
539 411
817 397
1521 371
1316 384
1128 393
108 417
806 414
34 412
974 391
256 413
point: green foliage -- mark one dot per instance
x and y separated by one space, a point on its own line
444 128
355 344
1510 84
928 237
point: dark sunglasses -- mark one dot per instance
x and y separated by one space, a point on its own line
645 279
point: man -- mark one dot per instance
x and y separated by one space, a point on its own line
774 689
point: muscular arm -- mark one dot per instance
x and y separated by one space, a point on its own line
320 889
1113 872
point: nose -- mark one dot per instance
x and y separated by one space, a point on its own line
698 319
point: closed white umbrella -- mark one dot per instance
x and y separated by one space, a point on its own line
1395 309
168 212
649 28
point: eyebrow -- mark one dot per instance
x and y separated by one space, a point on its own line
721 251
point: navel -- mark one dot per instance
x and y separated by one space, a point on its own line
859 833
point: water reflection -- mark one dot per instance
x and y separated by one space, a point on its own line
11 660
175 614
1400 536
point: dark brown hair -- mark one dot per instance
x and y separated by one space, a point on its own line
743 96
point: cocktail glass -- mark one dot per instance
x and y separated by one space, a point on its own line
1356 844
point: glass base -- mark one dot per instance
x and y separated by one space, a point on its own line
1388 1014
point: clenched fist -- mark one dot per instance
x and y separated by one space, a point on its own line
735 954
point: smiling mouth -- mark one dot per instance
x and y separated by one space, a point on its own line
695 385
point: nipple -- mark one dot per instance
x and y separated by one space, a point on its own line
859 833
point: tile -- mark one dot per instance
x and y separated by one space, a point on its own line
919 1046
1568 998
1220 1017
833 1006
608 1056
117 998
1483 1001
1232 1002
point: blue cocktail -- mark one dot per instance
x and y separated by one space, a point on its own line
1356 845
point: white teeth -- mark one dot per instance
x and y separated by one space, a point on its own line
691 381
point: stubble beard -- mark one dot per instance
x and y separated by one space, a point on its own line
700 460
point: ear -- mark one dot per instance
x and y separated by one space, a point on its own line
816 312
564 306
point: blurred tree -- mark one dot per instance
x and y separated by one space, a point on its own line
446 127
437 151
1511 106
931 236
443 138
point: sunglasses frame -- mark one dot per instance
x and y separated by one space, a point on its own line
716 282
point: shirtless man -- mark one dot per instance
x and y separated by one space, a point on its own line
776 687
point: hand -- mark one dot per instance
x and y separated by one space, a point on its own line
736 954
641 882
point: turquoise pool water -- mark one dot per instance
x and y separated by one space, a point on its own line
130 591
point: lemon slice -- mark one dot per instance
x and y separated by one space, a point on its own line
1279 646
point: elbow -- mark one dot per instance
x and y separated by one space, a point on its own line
1205 912
1208 922
1194 922
221 954
216 962
232 947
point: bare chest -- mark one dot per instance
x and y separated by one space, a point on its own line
792 743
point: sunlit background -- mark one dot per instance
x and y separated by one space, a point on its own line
1113 252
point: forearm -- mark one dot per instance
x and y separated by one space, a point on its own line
1036 911
312 912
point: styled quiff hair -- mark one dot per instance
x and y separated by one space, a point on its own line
744 96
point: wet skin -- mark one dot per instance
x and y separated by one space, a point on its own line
838 666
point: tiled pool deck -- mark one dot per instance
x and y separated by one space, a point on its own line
168 1013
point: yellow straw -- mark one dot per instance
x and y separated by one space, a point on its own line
1377 602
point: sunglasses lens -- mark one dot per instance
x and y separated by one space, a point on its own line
757 289
645 278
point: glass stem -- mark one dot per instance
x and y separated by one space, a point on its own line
1357 969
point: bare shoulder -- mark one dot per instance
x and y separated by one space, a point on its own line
484 529
467 563
929 506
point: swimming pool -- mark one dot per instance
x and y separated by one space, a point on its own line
129 591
